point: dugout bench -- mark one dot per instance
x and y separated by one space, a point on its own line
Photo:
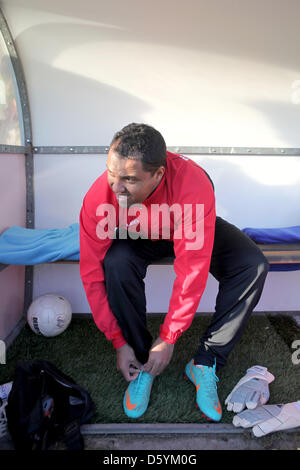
276 254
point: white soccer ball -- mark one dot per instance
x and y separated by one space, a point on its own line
49 315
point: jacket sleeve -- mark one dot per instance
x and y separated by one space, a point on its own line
92 253
191 265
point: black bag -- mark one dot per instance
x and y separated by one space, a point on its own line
46 405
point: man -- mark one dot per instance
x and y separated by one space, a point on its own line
123 230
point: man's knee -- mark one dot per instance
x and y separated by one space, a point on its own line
258 267
264 266
115 264
120 262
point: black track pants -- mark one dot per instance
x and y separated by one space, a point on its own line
238 265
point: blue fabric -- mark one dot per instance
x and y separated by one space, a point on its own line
283 235
274 235
24 246
284 267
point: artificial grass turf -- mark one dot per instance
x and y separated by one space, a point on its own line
83 353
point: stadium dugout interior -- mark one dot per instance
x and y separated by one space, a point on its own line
72 75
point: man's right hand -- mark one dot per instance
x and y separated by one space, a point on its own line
127 362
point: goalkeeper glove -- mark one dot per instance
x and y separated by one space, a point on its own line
251 391
269 418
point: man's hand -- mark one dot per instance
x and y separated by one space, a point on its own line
159 357
127 363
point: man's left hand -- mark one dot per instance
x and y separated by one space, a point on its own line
159 357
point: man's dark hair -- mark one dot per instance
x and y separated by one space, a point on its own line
141 142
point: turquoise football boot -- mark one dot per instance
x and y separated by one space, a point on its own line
205 380
137 395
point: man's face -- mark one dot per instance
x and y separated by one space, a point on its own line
127 178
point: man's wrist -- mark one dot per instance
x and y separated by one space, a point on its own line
167 339
169 336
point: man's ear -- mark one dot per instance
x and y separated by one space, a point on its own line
160 173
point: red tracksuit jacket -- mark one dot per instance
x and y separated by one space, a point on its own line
185 185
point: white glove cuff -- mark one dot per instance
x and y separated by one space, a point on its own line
259 372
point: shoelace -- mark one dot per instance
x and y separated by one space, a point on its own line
211 380
139 379
139 389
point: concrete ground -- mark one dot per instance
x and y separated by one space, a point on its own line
204 440
152 437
